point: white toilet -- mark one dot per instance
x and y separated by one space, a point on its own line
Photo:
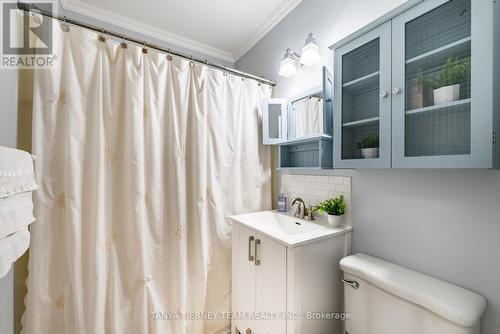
385 298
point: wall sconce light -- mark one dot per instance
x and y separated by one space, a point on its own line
310 51
288 65
310 56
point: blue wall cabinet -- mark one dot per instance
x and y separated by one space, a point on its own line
437 79
313 154
442 63
304 132
362 116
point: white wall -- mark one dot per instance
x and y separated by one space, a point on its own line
8 123
445 223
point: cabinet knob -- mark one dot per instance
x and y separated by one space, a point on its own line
396 91
384 94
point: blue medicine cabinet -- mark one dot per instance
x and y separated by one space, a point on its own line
418 88
302 126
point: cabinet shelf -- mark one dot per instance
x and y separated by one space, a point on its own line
359 81
302 169
462 43
361 122
438 107
311 153
306 139
435 59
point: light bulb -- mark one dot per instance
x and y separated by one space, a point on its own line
288 66
310 52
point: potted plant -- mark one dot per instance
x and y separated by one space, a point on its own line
421 91
369 147
447 87
334 208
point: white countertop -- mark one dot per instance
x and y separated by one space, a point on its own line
288 229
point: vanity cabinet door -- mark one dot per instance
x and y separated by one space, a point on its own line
362 117
243 277
270 285
274 121
431 69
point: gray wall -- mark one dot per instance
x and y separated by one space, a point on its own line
8 107
8 121
445 223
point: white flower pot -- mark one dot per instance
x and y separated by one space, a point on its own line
447 94
369 153
335 221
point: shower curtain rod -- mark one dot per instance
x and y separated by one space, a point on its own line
29 7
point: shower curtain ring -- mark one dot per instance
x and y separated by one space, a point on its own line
144 49
101 37
169 56
64 25
123 44
225 71
191 63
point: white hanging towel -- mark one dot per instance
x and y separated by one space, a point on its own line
17 183
16 213
12 248
16 172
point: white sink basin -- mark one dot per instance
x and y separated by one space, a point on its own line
287 229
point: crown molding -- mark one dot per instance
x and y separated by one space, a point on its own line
279 14
146 29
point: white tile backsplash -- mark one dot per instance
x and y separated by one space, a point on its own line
315 188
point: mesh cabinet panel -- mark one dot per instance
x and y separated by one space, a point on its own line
360 101
352 135
437 46
440 132
361 62
360 97
446 24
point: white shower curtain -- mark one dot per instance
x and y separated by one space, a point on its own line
140 161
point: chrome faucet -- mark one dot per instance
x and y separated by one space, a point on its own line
301 210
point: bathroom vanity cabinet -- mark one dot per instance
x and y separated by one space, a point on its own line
420 86
277 281
301 126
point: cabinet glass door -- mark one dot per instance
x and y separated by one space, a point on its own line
431 70
362 82
274 121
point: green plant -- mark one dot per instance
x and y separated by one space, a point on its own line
332 206
426 82
369 142
455 71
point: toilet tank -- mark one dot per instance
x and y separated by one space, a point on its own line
384 298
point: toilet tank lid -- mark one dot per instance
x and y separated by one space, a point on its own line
456 304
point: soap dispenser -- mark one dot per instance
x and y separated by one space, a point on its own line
282 202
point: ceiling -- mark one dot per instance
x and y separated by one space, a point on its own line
224 29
